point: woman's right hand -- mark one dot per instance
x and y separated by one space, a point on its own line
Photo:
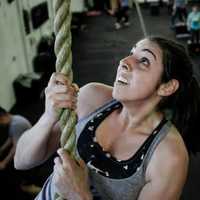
59 93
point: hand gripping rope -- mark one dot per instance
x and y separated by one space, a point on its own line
62 48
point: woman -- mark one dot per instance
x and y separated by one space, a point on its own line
130 135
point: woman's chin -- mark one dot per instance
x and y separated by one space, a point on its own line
117 96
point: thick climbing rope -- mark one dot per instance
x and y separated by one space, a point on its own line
63 53
62 48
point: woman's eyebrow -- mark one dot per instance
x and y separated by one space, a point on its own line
151 52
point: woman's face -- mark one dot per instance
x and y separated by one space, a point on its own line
139 74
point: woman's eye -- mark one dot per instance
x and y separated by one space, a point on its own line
145 61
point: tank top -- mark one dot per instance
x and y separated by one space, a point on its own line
111 179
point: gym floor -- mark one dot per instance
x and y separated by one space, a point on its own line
97 49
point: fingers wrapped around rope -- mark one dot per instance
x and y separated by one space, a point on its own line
61 93
70 176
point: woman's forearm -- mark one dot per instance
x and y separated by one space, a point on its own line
32 147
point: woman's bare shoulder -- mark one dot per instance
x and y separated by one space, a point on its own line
170 154
91 96
167 170
173 144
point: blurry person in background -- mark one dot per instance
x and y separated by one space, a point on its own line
179 12
193 24
11 129
121 14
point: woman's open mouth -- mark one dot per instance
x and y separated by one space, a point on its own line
122 80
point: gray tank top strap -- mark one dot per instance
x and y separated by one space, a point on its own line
159 137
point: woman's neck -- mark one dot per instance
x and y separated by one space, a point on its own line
139 114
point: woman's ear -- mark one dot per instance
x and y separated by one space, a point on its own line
167 89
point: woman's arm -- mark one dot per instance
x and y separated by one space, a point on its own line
38 143
167 172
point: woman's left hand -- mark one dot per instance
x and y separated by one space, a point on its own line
71 177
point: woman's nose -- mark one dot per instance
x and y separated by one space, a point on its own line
126 64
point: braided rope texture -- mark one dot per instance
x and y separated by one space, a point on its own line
62 48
